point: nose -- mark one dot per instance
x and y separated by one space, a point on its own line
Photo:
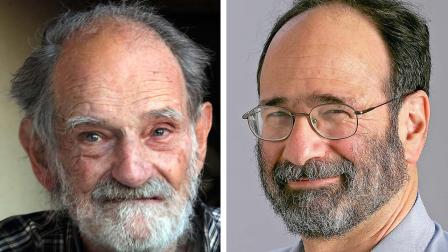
131 168
304 143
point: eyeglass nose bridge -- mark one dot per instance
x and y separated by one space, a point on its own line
310 121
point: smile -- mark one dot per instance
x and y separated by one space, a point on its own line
306 183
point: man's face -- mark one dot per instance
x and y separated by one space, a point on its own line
321 187
127 149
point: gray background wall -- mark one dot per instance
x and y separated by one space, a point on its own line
251 224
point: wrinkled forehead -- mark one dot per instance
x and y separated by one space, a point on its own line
333 48
117 61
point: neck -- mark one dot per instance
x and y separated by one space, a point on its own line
367 234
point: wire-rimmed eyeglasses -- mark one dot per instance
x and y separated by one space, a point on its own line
332 121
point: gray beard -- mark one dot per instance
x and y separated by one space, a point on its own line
334 210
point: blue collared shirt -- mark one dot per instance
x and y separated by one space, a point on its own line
416 232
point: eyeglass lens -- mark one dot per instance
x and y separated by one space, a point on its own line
332 121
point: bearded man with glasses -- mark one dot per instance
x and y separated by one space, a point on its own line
341 122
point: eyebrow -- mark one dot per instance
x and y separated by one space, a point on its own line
169 113
327 98
164 113
314 99
274 101
74 121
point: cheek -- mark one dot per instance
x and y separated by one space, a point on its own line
344 148
350 148
173 164
85 172
271 152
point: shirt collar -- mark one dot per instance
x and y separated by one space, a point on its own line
412 234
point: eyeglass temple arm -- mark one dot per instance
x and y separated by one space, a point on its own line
374 107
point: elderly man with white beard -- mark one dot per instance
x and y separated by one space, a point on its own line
116 129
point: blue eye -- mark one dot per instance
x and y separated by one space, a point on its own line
160 132
91 137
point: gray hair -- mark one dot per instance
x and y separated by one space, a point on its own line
32 87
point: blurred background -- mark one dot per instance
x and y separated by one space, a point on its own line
22 22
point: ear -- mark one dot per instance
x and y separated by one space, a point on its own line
36 153
203 126
414 122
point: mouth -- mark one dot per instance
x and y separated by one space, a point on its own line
312 183
154 199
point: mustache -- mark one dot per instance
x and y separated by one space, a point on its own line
112 190
313 169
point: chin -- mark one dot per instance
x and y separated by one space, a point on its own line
136 226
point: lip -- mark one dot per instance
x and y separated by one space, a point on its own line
139 200
304 184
